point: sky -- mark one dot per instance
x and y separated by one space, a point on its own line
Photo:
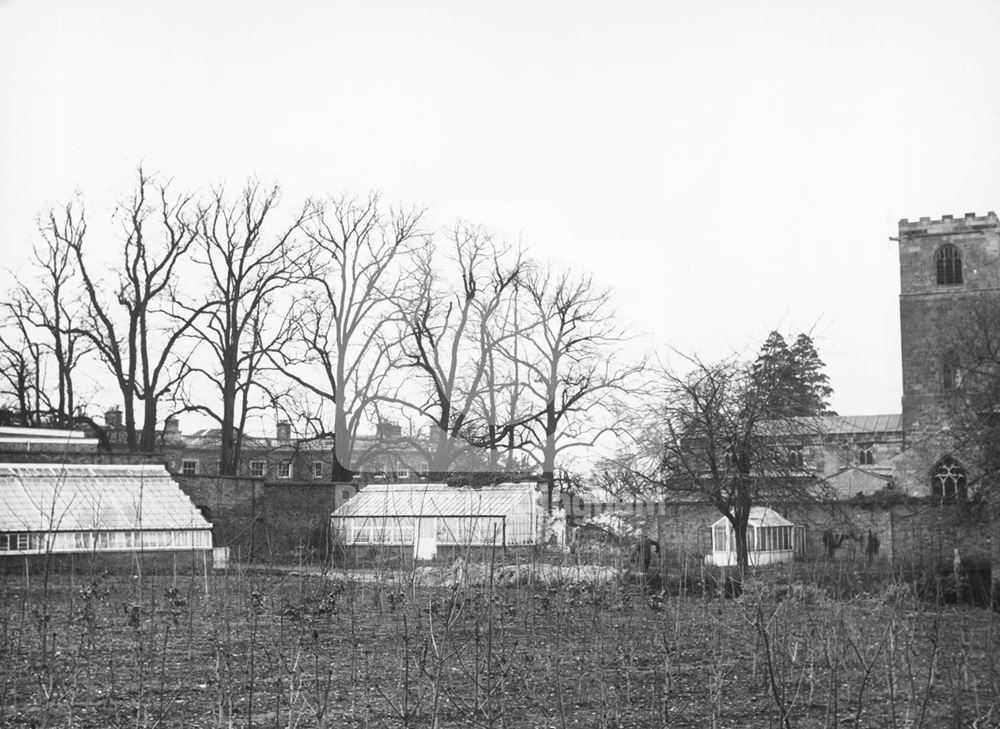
724 168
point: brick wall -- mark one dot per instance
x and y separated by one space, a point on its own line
274 522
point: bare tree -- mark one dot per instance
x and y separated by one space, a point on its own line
970 393
496 419
713 435
40 336
248 270
135 327
571 367
449 333
21 366
338 352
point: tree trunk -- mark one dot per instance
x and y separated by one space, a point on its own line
227 455
742 554
147 441
129 414
343 457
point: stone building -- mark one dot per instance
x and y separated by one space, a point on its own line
948 269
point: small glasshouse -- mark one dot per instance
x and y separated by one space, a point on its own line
771 538
426 516
96 508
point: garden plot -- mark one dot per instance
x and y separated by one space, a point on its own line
279 650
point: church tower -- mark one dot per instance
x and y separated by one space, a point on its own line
947 267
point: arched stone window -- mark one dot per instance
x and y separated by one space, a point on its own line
866 455
950 378
948 479
948 263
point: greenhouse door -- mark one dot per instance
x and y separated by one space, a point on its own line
425 545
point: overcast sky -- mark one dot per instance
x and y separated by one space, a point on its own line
727 168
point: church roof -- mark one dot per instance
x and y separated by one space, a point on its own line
876 426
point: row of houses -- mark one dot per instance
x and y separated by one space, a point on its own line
387 453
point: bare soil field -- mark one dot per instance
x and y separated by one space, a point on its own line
268 649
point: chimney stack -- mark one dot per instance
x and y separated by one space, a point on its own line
284 430
113 417
171 426
388 429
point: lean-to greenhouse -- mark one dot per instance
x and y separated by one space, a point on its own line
86 508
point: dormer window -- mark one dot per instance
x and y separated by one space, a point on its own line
948 263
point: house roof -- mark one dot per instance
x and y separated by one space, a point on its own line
760 516
434 500
45 439
85 497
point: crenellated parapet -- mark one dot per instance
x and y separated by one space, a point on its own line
948 225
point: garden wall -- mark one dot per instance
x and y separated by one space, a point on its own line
900 536
274 522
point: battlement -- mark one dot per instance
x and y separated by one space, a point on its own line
949 225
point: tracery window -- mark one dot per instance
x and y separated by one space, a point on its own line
866 455
948 479
948 263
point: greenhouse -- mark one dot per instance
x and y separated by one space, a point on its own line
770 539
96 508
426 516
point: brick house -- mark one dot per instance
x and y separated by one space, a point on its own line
387 455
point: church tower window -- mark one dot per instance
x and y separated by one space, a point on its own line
948 262
948 479
949 372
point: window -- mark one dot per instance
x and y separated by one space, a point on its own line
948 479
257 469
950 379
948 263
423 468
719 541
21 542
866 455
189 468
317 469
403 472
775 539
285 469
795 458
